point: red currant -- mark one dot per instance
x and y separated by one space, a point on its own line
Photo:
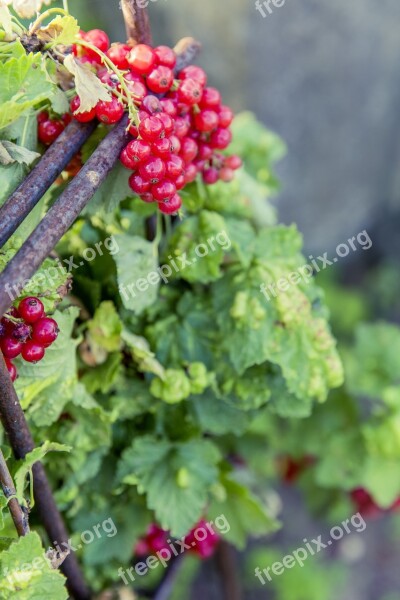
118 54
153 170
220 138
211 98
82 117
32 352
182 127
163 191
147 197
142 59
151 129
190 173
206 120
174 166
165 56
127 161
139 151
174 144
162 147
42 116
152 104
109 112
233 162
194 72
205 152
160 79
138 184
49 131
225 116
168 123
171 206
190 92
10 347
210 175
45 331
11 370
31 309
226 174
21 332
100 40
168 107
189 149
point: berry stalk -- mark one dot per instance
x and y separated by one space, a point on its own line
18 516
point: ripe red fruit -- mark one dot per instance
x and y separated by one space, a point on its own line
220 138
142 59
182 127
151 129
109 112
147 197
194 72
137 89
152 104
163 191
138 184
100 40
174 144
165 56
32 352
210 175
233 162
211 98
153 170
180 182
118 54
174 167
139 151
10 347
189 149
162 148
203 547
190 92
11 370
168 123
45 332
226 174
190 173
160 80
42 116
171 206
225 116
31 309
49 131
82 117
206 120
127 161
205 152
168 107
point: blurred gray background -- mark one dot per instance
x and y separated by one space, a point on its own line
325 76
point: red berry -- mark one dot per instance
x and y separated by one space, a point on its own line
82 117
205 152
139 151
190 173
127 161
171 206
138 184
21 332
151 129
206 120
225 116
31 309
118 54
137 89
220 138
174 167
194 72
133 130
152 104
32 352
153 170
168 107
211 98
43 116
10 347
168 123
233 162
160 80
49 131
45 332
147 197
180 182
189 149
163 191
210 176
108 78
142 59
174 144
109 112
100 40
182 127
226 174
11 369
162 147
165 56
190 92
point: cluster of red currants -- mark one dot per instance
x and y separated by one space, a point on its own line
26 331
156 539
182 128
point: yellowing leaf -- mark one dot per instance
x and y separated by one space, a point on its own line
5 21
61 30
88 87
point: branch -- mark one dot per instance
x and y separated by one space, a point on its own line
31 190
7 485
16 427
187 49
228 568
137 22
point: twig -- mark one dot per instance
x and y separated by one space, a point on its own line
7 485
16 427
31 190
137 22
228 566
187 49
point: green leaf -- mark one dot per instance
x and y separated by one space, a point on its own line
156 465
25 572
136 260
105 328
88 86
142 355
243 511
25 466
24 85
11 153
172 388
62 30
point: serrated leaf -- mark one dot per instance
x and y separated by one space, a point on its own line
60 31
11 153
88 86
156 464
